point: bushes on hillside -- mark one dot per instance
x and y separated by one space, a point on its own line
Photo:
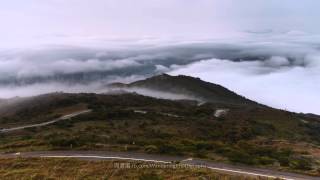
301 163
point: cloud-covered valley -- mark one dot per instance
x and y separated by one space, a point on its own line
282 71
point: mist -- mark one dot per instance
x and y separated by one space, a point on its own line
279 70
266 50
159 94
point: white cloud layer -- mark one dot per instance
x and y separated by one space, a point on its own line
23 68
279 69
292 88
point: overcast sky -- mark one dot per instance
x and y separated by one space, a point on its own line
50 21
203 38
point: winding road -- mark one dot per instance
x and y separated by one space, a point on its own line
133 156
66 117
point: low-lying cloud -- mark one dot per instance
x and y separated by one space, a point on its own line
155 93
292 88
281 70
26 69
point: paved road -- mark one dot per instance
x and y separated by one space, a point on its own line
104 155
45 123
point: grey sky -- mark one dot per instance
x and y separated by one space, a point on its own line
50 20
44 38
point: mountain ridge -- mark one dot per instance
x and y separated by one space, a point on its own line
189 86
239 131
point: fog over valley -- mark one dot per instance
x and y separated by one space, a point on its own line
283 74
160 89
269 53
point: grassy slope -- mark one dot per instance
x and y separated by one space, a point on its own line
76 169
38 109
249 135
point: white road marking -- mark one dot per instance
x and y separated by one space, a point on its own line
140 111
248 173
166 162
189 159
107 157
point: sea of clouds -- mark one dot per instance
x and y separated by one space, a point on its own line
281 70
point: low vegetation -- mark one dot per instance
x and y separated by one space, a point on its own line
37 168
246 135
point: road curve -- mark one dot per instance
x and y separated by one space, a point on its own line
46 123
133 156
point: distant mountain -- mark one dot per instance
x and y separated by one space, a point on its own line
190 87
228 128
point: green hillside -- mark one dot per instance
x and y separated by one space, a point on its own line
248 133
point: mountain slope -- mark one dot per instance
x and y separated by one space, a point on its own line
243 133
190 87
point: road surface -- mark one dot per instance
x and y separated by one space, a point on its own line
46 123
105 155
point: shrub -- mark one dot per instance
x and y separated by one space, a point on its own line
64 124
241 157
283 156
150 176
169 149
301 164
265 160
151 149
203 146
61 142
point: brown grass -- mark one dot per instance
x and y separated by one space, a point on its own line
71 109
69 169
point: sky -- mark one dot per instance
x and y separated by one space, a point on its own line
266 50
51 21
